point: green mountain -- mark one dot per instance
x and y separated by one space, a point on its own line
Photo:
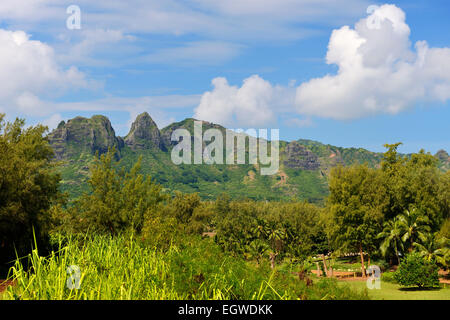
303 172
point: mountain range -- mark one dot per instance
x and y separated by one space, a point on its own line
303 174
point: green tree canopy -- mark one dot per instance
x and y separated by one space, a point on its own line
413 182
118 200
355 217
28 186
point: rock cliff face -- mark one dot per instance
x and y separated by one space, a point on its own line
84 135
444 160
96 134
298 157
188 124
144 134
443 156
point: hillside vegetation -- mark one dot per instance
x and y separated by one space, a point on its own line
131 237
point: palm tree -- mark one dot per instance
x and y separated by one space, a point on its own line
415 225
260 230
257 248
392 234
433 248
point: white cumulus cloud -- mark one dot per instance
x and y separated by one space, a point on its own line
28 69
378 71
250 105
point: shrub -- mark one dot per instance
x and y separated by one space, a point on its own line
416 271
388 277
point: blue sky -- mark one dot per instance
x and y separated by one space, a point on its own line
243 64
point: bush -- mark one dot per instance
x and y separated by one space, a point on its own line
388 277
416 271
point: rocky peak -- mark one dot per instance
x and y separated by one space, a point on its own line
299 157
188 124
442 155
144 134
84 135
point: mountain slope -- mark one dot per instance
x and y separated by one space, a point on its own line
303 172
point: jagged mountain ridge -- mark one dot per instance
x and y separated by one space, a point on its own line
304 164
94 134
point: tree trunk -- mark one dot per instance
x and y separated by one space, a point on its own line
325 265
319 273
363 269
272 259
396 253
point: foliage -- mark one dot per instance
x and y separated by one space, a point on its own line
388 277
404 195
417 271
414 225
124 268
434 248
355 219
413 182
275 230
28 187
444 232
392 235
118 201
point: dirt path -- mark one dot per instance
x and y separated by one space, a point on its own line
444 277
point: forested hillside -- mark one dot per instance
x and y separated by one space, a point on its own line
304 164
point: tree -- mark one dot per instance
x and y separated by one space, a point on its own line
392 234
413 182
183 206
28 187
119 200
260 229
434 248
257 249
355 218
416 271
444 197
275 237
414 226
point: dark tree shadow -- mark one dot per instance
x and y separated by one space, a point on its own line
420 289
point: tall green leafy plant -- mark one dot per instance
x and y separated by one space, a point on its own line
415 270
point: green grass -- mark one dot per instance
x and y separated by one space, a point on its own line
124 268
391 291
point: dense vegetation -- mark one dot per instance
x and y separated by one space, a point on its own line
28 187
303 175
125 268
203 249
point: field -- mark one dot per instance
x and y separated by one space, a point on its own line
127 269
391 291
123 269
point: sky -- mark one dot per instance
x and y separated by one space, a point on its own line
350 73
